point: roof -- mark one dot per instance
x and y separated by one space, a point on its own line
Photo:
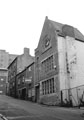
12 62
25 68
78 35
3 69
62 30
56 25
59 28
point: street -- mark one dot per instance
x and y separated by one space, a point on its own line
15 109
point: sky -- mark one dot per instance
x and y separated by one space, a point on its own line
21 21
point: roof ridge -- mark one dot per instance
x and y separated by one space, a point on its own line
59 26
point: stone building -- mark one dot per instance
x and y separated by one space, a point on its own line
51 62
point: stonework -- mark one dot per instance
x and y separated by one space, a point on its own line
65 45
58 71
46 49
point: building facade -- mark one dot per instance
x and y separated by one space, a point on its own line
59 45
3 80
16 67
25 83
72 83
5 60
24 60
47 67
12 72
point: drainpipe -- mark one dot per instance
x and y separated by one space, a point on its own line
67 69
78 98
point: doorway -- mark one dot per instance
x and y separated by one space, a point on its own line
37 93
24 93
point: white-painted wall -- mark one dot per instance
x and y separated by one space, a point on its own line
75 55
75 50
62 62
75 58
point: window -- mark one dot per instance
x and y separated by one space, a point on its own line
53 89
47 65
30 77
1 85
2 79
29 68
48 86
13 84
18 82
14 73
23 79
43 87
1 91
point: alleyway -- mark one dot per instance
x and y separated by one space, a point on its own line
16 109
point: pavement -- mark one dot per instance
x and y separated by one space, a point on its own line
15 109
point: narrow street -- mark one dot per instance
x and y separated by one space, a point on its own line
15 109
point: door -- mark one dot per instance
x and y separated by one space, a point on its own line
24 93
37 91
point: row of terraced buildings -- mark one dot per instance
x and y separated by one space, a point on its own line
55 76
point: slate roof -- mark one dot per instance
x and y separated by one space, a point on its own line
79 35
58 26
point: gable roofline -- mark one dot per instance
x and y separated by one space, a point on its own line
46 19
12 62
59 28
25 69
68 31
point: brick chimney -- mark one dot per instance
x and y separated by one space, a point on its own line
26 51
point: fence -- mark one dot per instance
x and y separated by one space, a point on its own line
73 96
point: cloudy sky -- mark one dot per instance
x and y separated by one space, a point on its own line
21 21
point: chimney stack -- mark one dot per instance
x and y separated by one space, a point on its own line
26 51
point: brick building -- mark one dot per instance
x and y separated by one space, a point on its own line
12 72
25 83
24 60
17 66
5 60
3 80
46 65
51 56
